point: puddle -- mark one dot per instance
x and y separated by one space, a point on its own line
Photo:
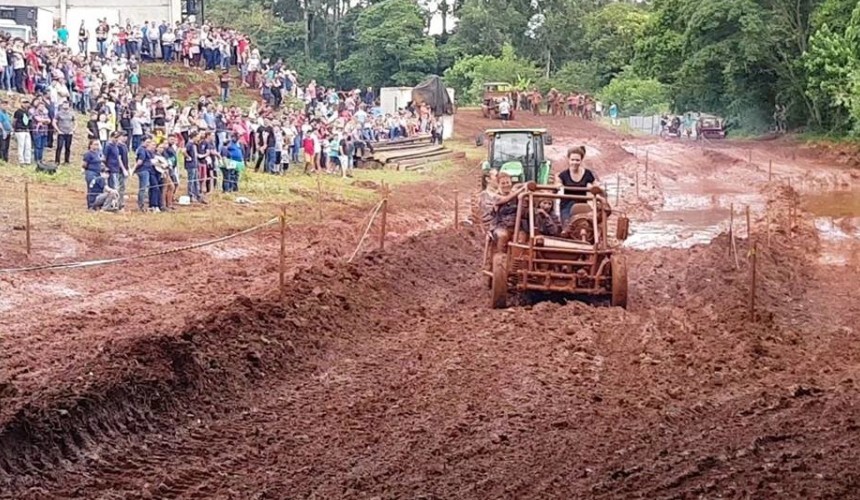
840 240
678 228
833 204
694 212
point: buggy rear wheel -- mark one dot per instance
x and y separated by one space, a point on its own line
618 268
499 292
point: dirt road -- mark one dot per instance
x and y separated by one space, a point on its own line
391 378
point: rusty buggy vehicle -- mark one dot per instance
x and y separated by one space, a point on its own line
579 261
493 94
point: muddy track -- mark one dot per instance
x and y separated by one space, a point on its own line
391 378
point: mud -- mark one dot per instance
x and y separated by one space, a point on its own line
390 377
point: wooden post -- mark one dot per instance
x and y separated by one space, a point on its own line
27 214
770 171
618 192
749 228
282 281
456 210
637 184
319 197
731 220
767 223
749 158
385 193
646 165
753 253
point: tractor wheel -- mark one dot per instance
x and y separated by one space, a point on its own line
618 267
499 293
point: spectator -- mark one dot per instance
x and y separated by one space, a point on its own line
22 127
6 131
92 167
106 198
192 164
83 38
63 35
144 170
64 124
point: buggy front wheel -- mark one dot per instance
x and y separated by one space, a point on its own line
618 266
499 292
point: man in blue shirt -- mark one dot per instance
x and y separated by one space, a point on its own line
144 170
191 165
122 145
92 168
5 132
117 171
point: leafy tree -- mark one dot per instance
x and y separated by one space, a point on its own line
391 47
636 96
579 76
468 74
610 35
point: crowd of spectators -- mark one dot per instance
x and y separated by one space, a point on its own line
93 87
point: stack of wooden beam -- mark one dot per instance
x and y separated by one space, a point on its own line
409 153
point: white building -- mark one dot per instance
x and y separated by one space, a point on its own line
72 12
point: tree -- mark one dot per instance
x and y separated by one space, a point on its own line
391 47
636 96
468 74
610 35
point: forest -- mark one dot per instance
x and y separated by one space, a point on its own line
736 58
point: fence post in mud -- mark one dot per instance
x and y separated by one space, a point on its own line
456 210
733 248
385 193
27 214
767 228
282 283
749 227
646 165
637 184
770 171
753 253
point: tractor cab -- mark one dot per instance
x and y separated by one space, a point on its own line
517 152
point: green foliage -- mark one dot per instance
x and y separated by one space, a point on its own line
468 74
577 76
636 96
611 34
390 46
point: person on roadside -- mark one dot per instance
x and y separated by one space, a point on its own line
505 109
64 125
106 197
144 171
192 164
576 180
114 164
122 180
22 124
6 131
91 167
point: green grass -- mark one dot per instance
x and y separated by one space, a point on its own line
58 201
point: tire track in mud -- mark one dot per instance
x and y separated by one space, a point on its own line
429 393
391 378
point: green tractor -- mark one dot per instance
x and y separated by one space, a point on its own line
518 152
